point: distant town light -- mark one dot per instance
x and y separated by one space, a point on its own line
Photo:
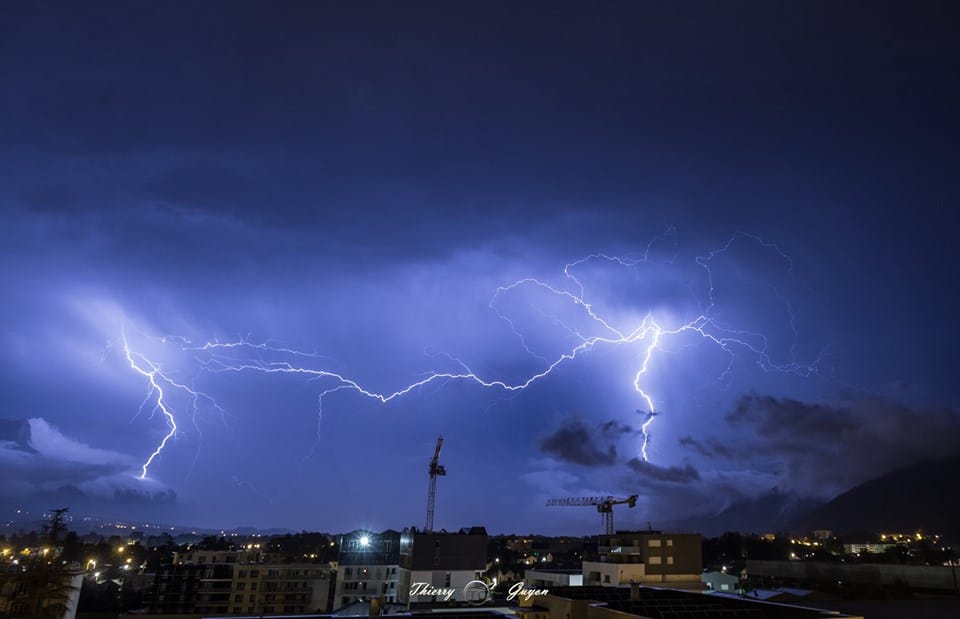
364 541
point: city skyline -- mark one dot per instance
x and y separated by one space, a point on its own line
691 253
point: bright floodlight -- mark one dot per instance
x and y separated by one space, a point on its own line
364 541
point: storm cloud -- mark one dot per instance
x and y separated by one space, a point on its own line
670 474
394 193
823 449
41 464
578 443
710 448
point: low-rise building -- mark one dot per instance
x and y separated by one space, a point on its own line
868 548
719 581
549 578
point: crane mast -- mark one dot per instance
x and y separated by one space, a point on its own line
436 470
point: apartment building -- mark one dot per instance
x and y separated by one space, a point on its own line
373 565
646 557
448 561
233 582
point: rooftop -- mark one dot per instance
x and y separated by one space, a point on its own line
675 604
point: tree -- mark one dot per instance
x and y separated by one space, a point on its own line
44 588
53 530
44 584
212 542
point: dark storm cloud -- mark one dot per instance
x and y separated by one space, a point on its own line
792 421
616 427
710 448
578 443
824 449
666 474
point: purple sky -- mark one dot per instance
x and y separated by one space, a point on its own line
357 181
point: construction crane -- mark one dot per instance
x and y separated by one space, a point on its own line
436 470
604 506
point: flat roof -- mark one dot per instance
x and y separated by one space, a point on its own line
676 604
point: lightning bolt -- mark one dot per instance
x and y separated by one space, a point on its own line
219 357
157 380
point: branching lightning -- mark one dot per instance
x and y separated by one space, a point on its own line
648 333
157 379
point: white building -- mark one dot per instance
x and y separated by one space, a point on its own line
720 581
547 578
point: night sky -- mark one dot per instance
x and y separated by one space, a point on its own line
354 188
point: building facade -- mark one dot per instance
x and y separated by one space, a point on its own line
282 587
225 582
646 557
374 565
447 561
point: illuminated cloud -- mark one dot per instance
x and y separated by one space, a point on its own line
43 464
